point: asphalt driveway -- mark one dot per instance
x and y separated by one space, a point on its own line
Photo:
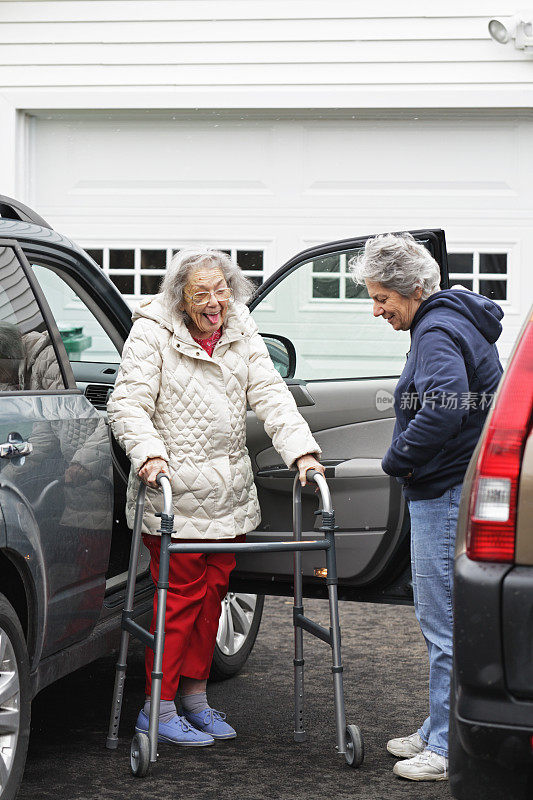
386 694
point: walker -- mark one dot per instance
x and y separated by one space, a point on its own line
143 750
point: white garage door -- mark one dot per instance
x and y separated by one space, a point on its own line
133 187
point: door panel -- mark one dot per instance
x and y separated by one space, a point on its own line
368 504
65 480
347 363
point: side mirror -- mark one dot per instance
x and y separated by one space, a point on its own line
282 353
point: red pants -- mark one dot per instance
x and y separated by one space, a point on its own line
198 582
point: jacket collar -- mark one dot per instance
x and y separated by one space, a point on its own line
235 326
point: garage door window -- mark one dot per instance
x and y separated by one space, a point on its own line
331 279
137 271
482 272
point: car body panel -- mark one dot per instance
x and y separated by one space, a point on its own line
74 521
23 547
517 613
103 638
492 689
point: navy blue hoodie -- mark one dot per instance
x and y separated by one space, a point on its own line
443 395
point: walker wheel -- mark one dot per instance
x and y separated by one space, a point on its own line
140 755
355 748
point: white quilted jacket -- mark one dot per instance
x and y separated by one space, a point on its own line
174 401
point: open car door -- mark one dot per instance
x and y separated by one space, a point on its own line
341 365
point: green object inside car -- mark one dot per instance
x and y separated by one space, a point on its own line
75 341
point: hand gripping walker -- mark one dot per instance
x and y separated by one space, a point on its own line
144 747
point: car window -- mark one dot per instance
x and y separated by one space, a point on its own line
330 322
28 361
83 336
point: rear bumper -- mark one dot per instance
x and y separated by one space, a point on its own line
508 746
490 720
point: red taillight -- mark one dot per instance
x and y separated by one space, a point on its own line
492 515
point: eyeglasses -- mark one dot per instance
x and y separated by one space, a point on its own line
201 298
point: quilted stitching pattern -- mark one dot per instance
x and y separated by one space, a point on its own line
41 367
172 400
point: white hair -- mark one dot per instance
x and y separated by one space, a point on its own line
397 262
187 261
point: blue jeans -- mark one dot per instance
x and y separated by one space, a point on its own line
433 528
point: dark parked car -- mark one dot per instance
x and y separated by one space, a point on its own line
491 754
64 542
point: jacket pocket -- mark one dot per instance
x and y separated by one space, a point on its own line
192 488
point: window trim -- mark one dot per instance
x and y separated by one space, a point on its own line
63 268
77 266
434 236
42 392
48 319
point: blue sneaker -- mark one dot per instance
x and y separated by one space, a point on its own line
211 722
177 731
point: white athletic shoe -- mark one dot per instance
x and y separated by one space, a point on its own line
426 766
406 746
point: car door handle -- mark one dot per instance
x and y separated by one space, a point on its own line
15 447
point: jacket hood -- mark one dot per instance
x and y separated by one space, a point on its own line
479 310
154 308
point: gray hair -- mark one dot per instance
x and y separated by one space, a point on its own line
398 262
187 261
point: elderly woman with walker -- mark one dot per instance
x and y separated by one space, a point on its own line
193 361
453 356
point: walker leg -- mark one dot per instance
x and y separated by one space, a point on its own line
120 674
118 693
299 732
159 637
336 668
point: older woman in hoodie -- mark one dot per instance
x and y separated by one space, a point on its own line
193 361
441 402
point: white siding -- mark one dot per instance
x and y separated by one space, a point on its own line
270 124
280 45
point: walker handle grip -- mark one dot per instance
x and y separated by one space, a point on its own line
317 477
159 477
164 482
